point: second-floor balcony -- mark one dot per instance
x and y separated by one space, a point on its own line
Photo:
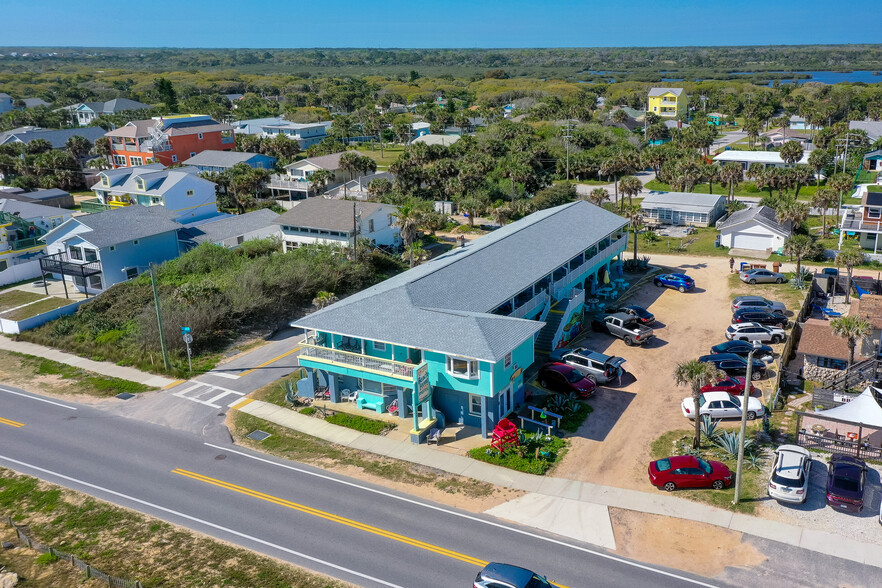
93 205
61 263
19 244
559 287
531 305
396 369
290 183
854 221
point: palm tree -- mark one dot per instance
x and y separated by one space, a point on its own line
791 152
799 246
731 174
842 183
350 162
406 219
418 253
320 179
818 160
849 257
598 196
824 198
633 213
323 299
630 186
752 127
852 329
791 212
710 173
801 175
696 374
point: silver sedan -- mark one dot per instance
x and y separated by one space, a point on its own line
759 276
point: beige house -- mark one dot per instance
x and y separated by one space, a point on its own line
296 185
823 355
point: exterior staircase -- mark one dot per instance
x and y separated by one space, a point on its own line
552 321
860 374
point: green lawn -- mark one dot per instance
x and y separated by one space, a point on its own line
13 298
703 244
75 380
585 182
389 154
36 308
742 189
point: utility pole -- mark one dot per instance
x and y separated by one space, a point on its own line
568 129
159 318
745 398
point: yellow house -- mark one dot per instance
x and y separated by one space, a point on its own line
668 102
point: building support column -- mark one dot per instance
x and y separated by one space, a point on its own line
483 417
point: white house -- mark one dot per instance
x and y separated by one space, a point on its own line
180 190
295 184
753 228
21 225
306 134
232 230
746 158
86 112
683 208
319 220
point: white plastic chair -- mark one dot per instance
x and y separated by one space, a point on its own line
348 395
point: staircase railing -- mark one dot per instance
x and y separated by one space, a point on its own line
869 369
577 297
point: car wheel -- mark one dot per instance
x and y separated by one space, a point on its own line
670 486
628 341
718 485
779 281
681 289
776 339
752 282
751 415
755 376
592 379
657 283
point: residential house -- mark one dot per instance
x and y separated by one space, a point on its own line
798 123
420 128
668 102
434 139
86 112
337 222
22 223
306 134
254 126
92 252
822 354
716 119
863 223
869 307
754 228
746 158
168 140
295 182
451 339
5 102
220 161
873 161
682 208
49 197
358 188
33 103
873 128
778 136
180 190
57 138
231 230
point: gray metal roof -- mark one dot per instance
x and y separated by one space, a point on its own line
46 194
442 305
231 226
215 158
123 224
57 138
29 210
760 214
872 127
329 162
661 91
682 201
331 215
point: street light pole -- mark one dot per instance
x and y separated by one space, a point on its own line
745 398
159 318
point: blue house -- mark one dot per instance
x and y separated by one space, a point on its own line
220 161
95 251
450 339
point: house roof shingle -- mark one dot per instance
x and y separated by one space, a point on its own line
28 210
331 215
868 306
124 224
817 338
231 226
761 214
58 138
662 91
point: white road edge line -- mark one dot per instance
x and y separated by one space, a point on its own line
469 517
36 398
222 375
202 522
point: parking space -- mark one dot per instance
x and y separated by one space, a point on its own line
613 445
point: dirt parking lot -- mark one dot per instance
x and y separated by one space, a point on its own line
613 445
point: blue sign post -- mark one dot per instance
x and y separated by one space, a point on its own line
188 338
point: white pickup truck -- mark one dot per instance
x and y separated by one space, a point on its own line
625 327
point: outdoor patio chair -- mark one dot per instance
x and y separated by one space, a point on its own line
348 395
434 436
826 311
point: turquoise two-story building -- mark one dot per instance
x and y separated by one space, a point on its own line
454 335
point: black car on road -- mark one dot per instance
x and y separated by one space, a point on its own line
763 317
742 348
643 316
735 365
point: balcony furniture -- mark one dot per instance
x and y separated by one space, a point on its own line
434 436
348 395
826 311
370 401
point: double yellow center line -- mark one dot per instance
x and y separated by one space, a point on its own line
15 424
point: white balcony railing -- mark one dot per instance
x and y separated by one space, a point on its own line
378 364
559 286
856 223
531 305
289 183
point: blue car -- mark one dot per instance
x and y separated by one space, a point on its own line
680 282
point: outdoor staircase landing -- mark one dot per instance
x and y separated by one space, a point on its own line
552 321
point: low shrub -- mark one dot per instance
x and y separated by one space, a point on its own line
359 423
536 455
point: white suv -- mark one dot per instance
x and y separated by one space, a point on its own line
755 332
722 405
789 479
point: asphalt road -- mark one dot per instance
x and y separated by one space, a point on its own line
342 527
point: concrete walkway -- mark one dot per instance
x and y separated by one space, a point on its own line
99 367
562 519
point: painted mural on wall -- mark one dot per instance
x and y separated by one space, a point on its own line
572 327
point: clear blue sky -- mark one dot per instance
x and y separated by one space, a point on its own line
444 23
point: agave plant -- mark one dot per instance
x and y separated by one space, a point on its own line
290 392
755 459
728 441
563 405
708 427
801 280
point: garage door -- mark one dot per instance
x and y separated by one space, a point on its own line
751 241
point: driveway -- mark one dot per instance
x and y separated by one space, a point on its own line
613 445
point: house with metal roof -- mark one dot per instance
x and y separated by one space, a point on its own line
86 112
92 252
683 208
220 161
747 158
450 340
231 230
338 222
668 102
48 197
22 223
754 228
187 196
306 134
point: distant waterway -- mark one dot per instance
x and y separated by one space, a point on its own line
825 77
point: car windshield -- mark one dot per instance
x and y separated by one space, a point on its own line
574 377
846 484
537 582
663 465
705 466
798 481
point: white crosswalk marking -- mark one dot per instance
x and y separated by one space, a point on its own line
207 394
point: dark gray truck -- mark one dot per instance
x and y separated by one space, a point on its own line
625 327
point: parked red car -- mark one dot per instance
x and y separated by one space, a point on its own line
559 377
733 385
688 471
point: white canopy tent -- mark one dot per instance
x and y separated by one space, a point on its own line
863 410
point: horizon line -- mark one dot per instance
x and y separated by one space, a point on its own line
415 48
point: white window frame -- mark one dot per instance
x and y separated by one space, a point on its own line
190 192
174 158
473 368
117 160
472 399
75 253
379 346
507 360
136 160
200 136
872 210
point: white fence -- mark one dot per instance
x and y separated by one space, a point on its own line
13 327
22 271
